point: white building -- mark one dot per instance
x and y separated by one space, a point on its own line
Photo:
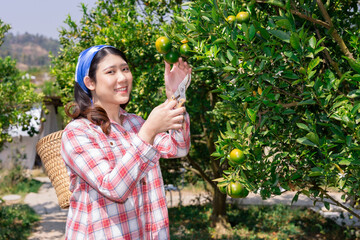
23 147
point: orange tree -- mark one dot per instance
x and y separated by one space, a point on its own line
17 96
285 83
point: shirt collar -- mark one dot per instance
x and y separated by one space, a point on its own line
122 112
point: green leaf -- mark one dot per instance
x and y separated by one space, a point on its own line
230 55
284 23
305 141
219 179
348 140
206 18
252 32
342 183
295 198
354 94
303 126
315 174
219 41
223 184
327 205
216 154
229 68
313 64
312 42
191 27
232 44
313 137
337 131
319 50
251 114
345 162
353 64
228 127
281 35
295 40
307 102
277 3
202 68
264 33
355 108
296 176
245 29
180 19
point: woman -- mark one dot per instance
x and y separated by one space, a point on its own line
113 156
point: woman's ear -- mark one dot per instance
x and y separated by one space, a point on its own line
89 83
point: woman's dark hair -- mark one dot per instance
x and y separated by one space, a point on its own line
83 107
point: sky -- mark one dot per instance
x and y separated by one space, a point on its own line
44 17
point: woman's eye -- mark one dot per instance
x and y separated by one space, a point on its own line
110 72
126 69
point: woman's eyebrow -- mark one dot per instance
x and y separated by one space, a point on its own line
113 66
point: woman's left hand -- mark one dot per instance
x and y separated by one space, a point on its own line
175 76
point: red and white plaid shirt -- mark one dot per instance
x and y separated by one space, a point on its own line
116 182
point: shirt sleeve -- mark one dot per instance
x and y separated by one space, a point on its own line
83 155
174 144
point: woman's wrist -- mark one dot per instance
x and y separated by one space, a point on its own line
169 93
147 134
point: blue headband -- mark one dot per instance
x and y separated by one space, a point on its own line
83 65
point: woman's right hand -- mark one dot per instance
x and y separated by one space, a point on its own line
161 119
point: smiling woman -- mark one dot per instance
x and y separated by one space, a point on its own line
113 156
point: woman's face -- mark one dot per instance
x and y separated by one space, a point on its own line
113 82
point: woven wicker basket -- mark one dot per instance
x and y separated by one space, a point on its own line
48 149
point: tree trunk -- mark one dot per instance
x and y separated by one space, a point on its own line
219 219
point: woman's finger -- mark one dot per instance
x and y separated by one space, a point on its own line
178 119
177 126
171 104
167 68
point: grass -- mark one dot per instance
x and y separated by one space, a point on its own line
16 221
15 181
257 222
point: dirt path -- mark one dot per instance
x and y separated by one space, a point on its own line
53 218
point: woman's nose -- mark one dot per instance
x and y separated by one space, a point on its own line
121 76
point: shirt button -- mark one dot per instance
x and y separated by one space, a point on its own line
112 143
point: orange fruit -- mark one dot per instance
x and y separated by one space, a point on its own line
237 156
230 18
185 50
237 190
172 56
242 17
163 45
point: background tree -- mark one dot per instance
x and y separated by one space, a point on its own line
287 80
17 96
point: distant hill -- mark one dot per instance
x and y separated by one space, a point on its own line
29 50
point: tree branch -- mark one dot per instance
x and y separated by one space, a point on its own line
327 55
304 16
340 204
333 31
200 171
286 93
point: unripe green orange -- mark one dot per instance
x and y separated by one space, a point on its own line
237 156
163 45
242 17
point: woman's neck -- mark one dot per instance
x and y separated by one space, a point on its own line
112 112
